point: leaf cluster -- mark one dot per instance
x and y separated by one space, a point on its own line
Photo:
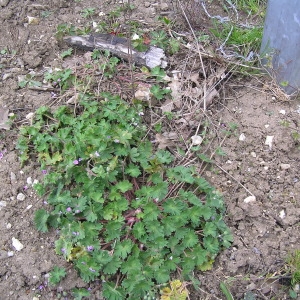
122 209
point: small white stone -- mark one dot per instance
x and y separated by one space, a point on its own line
269 141
21 172
17 244
13 177
29 181
196 139
2 204
8 226
4 2
282 214
250 199
282 111
266 168
285 166
135 37
267 126
253 154
35 181
29 206
10 253
21 197
33 20
242 137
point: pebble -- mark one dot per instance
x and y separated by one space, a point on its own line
164 6
250 199
147 4
253 154
242 137
269 141
10 253
4 2
21 197
285 166
8 226
13 177
2 204
3 254
282 214
6 76
17 244
29 181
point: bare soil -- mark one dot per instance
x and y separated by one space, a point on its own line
265 226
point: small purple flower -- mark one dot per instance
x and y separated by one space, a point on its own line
44 172
75 233
2 153
77 211
69 209
92 270
41 287
90 248
53 95
45 202
76 162
58 80
25 187
97 154
63 250
116 141
79 159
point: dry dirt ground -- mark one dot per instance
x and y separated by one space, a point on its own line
262 160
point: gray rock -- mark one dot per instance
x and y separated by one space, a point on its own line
4 2
21 197
164 6
6 76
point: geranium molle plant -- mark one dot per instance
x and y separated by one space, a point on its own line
125 212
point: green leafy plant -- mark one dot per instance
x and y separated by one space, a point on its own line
29 80
124 213
175 291
159 39
88 12
66 53
45 14
56 275
158 92
61 78
109 67
79 293
293 265
241 40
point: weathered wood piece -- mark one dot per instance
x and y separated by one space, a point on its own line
120 47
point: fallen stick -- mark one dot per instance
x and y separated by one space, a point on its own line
120 47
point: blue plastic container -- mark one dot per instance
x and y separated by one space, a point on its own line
280 47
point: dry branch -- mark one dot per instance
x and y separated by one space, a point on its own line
120 47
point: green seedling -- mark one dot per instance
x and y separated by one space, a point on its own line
29 80
56 275
66 53
45 14
63 78
159 39
88 12
158 92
